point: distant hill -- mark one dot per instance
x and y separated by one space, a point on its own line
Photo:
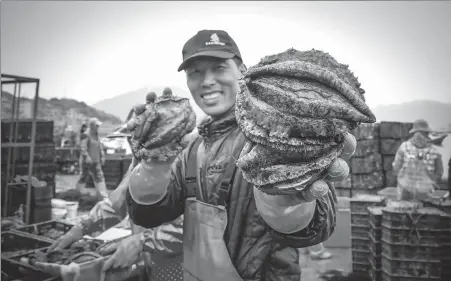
436 113
120 105
63 112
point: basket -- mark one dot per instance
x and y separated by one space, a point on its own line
15 270
388 277
15 243
360 203
374 245
409 251
375 272
360 244
415 236
375 216
360 231
428 218
49 230
376 232
359 219
360 257
411 267
360 267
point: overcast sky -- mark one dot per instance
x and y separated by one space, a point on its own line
91 51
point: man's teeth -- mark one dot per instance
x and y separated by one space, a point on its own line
210 96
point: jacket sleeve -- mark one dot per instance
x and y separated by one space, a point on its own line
399 158
172 203
84 146
438 168
319 228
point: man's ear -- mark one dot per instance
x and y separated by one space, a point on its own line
243 68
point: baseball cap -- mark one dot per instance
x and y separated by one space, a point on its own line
210 43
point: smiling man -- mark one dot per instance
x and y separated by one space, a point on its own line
232 231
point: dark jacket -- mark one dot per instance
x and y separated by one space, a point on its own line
257 251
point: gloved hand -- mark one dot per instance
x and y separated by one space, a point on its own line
127 253
88 160
103 209
75 234
336 172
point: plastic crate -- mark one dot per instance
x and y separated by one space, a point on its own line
49 230
14 270
375 216
360 267
415 236
429 218
359 220
360 257
376 232
411 267
360 203
375 272
92 270
359 231
375 261
360 244
15 243
374 245
389 277
409 251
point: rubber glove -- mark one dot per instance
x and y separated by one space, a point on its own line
75 234
127 254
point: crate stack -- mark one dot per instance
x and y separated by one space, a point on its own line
416 244
44 167
371 164
375 235
360 229
67 159
113 171
367 174
392 135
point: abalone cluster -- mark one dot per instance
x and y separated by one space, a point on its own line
295 108
158 128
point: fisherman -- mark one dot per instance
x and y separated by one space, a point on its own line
93 158
418 164
115 206
232 231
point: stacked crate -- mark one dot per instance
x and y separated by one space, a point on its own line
366 164
360 229
392 135
375 234
371 165
113 171
44 167
416 244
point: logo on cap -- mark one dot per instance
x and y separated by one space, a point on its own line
214 40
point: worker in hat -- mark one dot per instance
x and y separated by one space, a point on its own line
168 236
92 159
418 164
226 236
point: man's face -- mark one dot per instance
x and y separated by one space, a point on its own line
213 83
94 127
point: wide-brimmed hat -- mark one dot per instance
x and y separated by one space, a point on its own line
420 125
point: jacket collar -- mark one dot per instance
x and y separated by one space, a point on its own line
212 129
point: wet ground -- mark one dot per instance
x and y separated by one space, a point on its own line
311 269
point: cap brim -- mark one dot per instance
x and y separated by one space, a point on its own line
215 54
